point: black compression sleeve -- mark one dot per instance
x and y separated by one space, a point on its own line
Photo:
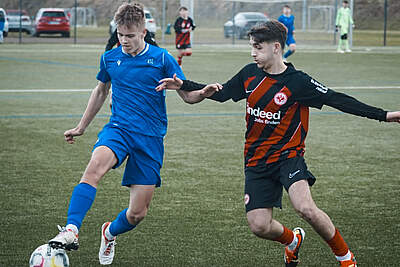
191 86
351 105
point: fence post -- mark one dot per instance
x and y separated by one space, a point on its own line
75 19
385 23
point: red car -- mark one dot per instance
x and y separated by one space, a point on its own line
52 20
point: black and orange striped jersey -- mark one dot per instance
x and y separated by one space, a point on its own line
182 27
277 110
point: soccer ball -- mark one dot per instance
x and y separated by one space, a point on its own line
45 256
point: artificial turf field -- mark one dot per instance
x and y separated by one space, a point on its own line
197 217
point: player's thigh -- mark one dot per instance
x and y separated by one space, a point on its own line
300 196
140 198
102 160
188 50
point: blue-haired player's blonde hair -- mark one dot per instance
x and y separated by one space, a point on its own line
130 15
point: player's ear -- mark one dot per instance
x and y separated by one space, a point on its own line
277 47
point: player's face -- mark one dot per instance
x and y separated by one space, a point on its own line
287 11
264 54
184 13
131 38
345 4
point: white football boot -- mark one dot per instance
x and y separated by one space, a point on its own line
107 247
66 239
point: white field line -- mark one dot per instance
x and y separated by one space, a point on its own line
89 90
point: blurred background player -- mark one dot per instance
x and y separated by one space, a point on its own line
135 132
184 25
343 23
2 23
287 19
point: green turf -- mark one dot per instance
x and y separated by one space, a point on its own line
197 217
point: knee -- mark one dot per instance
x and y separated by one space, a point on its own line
135 216
308 213
260 228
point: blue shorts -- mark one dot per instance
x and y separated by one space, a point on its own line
145 154
290 40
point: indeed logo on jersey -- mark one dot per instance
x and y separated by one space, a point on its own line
262 116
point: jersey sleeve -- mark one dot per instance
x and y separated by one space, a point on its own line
314 94
103 75
192 23
349 104
177 26
293 24
232 89
338 16
171 67
307 91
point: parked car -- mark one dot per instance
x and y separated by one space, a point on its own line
4 14
52 21
13 17
150 24
243 23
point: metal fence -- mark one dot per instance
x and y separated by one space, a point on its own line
314 21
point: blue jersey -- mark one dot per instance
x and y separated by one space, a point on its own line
136 105
288 22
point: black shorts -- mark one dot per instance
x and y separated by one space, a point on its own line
344 36
183 46
263 186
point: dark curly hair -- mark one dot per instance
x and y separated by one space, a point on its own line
270 31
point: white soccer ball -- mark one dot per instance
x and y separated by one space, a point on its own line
45 256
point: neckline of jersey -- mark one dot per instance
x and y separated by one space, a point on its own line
144 51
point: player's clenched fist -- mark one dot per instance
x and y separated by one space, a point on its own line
69 134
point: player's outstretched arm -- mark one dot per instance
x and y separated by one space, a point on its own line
393 116
96 100
193 97
190 97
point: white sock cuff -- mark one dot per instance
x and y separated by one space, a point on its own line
345 257
293 244
73 228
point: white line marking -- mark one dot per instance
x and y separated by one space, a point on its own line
89 90
44 90
366 87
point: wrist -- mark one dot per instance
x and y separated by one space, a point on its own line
80 129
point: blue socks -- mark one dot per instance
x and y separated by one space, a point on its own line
287 54
120 225
82 199
80 203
